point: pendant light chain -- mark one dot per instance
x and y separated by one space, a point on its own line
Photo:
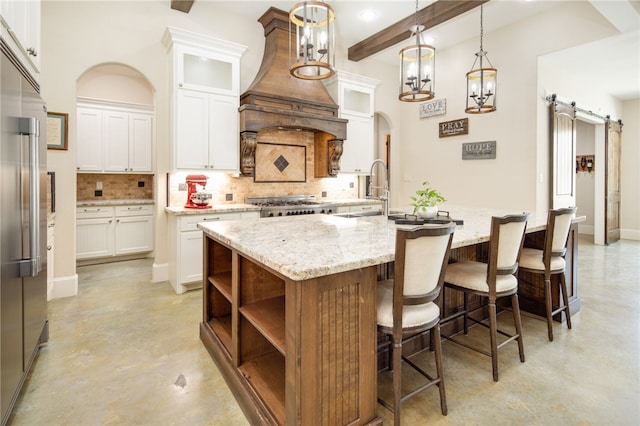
481 28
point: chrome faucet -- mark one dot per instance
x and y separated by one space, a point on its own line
387 194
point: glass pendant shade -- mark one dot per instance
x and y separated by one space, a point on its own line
311 27
482 85
417 70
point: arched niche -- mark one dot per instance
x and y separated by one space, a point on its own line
116 82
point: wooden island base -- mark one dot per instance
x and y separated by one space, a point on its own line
292 352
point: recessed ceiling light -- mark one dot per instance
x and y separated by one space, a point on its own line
368 15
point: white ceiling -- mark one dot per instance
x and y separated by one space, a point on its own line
623 82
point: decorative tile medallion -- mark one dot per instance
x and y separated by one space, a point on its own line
281 163
276 162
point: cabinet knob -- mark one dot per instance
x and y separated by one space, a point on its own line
179 84
49 247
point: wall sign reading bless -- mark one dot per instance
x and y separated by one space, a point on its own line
454 127
479 150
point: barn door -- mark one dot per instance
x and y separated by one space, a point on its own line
613 139
562 156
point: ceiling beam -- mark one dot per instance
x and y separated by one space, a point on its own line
436 13
182 5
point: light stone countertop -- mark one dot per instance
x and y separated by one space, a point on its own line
89 203
310 246
215 209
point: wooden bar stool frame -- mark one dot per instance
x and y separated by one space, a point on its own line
550 261
493 272
397 332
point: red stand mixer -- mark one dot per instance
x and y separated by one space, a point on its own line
197 199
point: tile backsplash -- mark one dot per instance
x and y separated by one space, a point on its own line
239 187
114 187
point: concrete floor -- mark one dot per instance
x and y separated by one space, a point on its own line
126 351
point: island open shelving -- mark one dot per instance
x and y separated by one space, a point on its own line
253 328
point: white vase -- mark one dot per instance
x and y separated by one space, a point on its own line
428 212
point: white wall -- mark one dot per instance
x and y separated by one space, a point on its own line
519 126
630 172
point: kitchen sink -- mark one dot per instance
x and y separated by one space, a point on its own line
360 214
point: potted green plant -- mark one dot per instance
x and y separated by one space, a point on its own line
425 202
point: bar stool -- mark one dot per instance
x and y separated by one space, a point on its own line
405 305
550 261
493 280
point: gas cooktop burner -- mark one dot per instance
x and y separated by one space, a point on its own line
291 205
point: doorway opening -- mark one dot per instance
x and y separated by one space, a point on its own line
586 177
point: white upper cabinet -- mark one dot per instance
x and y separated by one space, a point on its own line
205 125
89 136
22 21
114 139
140 142
355 95
205 94
199 69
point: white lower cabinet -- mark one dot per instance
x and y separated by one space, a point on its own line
94 232
133 230
113 231
185 257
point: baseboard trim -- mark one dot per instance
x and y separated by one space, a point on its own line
64 287
630 234
159 272
585 229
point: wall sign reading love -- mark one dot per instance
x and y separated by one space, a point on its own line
433 108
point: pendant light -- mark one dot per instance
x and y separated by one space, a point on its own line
311 25
417 67
482 82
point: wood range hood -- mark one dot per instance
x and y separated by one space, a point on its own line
277 100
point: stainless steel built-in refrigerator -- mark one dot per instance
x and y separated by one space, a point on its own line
23 216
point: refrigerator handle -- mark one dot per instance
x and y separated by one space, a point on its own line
31 127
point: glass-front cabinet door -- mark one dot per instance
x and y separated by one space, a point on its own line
207 71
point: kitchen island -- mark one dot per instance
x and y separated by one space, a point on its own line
289 309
